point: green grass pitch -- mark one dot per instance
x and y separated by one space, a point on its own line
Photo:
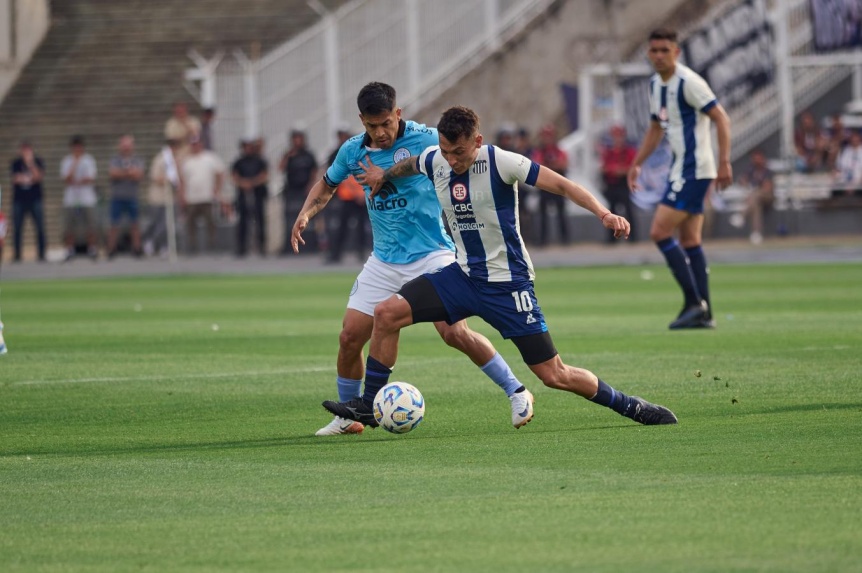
166 424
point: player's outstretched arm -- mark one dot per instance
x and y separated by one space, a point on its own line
552 182
317 199
374 177
651 140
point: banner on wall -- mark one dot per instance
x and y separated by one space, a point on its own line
734 53
837 24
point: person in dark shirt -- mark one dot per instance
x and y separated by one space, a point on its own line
299 166
616 160
351 212
250 174
27 171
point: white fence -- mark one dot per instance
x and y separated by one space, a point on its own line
311 82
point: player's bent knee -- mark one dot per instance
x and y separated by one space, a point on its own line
351 339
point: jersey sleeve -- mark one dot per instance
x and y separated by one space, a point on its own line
425 161
698 93
515 167
338 171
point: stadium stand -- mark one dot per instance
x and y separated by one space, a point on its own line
106 68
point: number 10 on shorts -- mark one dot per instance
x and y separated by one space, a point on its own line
523 301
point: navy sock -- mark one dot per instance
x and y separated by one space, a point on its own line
681 269
700 270
376 377
613 399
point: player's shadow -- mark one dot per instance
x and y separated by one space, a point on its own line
310 440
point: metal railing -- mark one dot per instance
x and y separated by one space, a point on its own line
311 82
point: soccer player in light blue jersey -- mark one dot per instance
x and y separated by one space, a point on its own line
409 239
682 106
492 277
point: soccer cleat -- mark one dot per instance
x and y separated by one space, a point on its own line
522 408
691 317
354 409
650 414
3 349
340 426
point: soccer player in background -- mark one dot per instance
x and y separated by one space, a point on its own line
682 105
492 277
409 240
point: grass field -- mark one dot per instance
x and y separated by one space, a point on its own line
166 424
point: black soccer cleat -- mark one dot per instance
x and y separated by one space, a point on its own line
694 316
355 409
650 414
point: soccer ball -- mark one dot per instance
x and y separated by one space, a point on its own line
399 407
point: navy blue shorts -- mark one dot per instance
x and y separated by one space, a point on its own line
120 206
510 307
686 195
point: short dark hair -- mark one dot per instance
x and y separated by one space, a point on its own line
457 122
77 140
376 98
664 34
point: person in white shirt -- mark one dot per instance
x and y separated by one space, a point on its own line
682 108
78 171
202 178
848 166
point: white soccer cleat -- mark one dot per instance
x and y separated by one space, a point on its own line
3 349
522 408
340 426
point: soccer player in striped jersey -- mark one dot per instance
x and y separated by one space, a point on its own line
682 106
492 277
409 240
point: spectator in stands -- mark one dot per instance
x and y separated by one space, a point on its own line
28 171
78 171
523 144
616 160
164 182
838 139
811 144
207 118
506 137
848 169
551 156
125 171
351 211
182 127
299 166
759 180
202 175
250 174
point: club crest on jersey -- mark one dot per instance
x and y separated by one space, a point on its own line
459 192
401 153
480 167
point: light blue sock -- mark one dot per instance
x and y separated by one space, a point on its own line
348 389
497 370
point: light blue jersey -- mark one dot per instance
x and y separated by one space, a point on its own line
405 218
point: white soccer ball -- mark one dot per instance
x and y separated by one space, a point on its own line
399 407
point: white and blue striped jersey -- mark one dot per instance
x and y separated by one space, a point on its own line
680 106
405 216
481 207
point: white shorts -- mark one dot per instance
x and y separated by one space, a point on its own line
378 280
